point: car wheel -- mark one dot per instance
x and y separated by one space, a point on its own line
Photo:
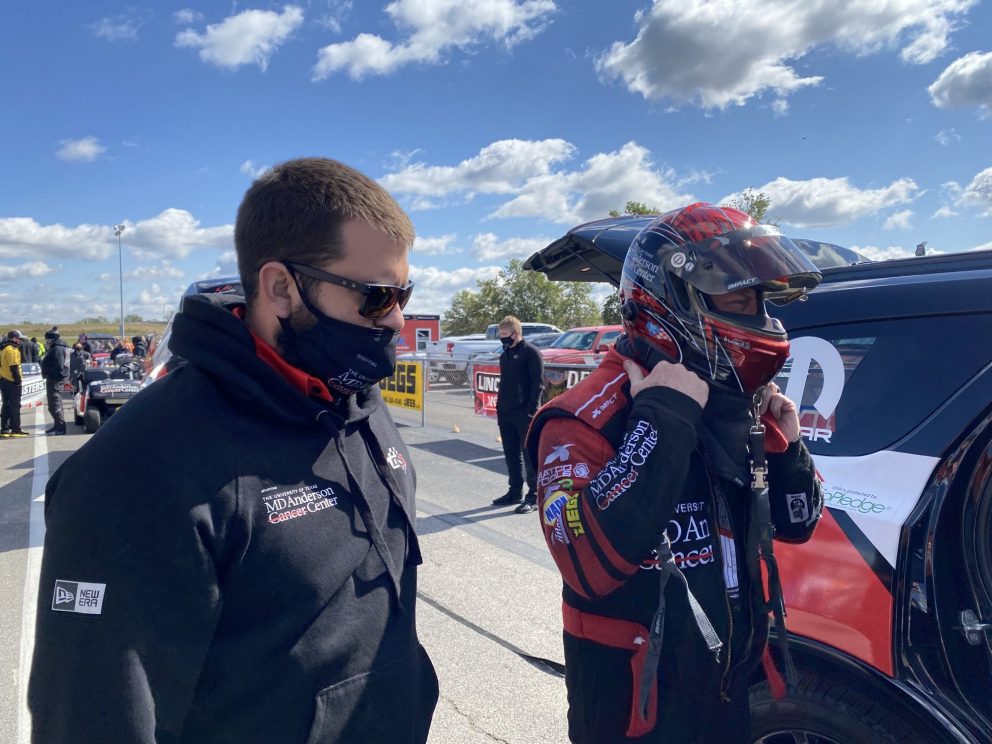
91 420
77 418
821 710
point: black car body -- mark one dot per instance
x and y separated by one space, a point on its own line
890 604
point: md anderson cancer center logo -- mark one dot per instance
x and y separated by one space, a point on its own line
282 506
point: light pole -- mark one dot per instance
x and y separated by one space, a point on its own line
118 231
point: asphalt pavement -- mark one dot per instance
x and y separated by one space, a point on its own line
490 598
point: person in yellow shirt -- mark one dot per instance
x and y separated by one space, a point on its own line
10 386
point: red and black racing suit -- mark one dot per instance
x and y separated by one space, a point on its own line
614 476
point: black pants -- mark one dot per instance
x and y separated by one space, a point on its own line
512 430
54 390
10 412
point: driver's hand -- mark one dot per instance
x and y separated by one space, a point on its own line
665 374
782 409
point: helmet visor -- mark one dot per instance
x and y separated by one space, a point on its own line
759 257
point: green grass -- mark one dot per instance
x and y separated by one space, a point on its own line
70 331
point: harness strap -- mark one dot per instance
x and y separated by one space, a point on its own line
762 532
668 568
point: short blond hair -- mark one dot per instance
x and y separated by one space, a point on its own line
511 323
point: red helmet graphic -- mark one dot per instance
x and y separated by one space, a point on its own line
680 261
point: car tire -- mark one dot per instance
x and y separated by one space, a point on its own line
91 420
827 712
77 418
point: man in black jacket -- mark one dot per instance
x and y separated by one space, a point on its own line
262 586
55 370
521 379
658 501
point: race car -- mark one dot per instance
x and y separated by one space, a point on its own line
105 390
890 604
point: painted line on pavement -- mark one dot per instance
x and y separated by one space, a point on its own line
545 665
32 574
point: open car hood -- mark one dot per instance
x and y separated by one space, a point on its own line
595 251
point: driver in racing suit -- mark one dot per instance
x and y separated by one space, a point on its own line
651 487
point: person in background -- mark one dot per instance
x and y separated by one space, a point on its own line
10 386
87 346
79 360
659 503
29 351
39 348
117 350
521 380
55 370
269 588
139 347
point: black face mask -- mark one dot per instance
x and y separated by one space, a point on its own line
507 342
348 357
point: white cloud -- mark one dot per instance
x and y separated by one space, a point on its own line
882 254
780 106
254 171
717 53
978 193
944 211
122 27
23 237
826 202
899 220
967 81
164 270
435 287
87 149
526 171
227 265
173 232
187 16
249 37
488 247
499 168
438 245
606 181
433 27
31 269
338 12
947 136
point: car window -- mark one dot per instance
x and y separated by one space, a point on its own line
580 340
610 337
863 387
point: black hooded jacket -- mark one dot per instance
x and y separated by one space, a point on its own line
258 586
55 363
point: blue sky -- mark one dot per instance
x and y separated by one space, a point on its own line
498 124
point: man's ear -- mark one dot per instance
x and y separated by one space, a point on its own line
276 289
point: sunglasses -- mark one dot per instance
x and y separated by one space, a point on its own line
380 299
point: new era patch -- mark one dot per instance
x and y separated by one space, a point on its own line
78 596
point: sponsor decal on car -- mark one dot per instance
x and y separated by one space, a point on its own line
877 491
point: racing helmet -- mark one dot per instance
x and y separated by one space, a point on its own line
674 267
